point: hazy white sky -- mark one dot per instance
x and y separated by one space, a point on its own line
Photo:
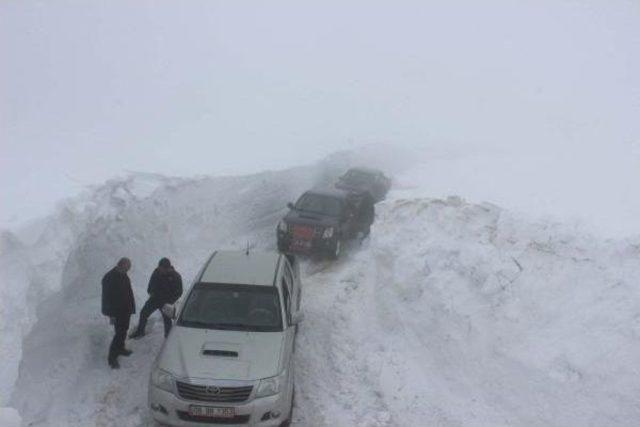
89 89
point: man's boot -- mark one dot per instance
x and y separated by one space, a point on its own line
114 364
125 352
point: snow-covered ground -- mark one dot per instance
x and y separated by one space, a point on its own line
454 313
458 314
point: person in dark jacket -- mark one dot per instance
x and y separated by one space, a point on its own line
165 287
119 304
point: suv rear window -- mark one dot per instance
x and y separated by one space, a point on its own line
232 307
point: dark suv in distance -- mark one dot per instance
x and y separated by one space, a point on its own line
319 222
365 180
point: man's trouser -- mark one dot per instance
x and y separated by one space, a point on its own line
150 306
121 326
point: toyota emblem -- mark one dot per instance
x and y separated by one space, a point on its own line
211 389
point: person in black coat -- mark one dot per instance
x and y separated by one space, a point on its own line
119 304
165 287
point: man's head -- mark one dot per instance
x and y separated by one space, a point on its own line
124 264
164 264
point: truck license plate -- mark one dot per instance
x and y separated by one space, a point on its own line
302 232
211 412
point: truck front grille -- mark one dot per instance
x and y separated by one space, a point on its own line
238 419
205 393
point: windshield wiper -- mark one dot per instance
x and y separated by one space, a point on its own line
245 327
194 324
232 326
225 326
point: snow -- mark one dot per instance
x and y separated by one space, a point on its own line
462 314
9 417
581 185
454 312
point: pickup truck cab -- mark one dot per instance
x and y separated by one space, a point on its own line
229 358
319 222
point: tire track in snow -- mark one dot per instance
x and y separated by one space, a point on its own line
337 385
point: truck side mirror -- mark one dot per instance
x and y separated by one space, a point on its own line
290 206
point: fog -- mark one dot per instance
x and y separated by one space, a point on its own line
89 90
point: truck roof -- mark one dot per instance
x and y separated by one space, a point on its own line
240 268
365 170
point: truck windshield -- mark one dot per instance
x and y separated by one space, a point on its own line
232 307
320 204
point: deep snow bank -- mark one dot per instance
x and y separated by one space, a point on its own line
9 417
458 314
28 272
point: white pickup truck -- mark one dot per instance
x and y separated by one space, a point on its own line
229 358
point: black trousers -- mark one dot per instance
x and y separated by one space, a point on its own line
150 306
121 326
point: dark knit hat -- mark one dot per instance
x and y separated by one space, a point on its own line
164 262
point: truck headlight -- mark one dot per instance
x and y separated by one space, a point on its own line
282 226
328 233
271 386
163 380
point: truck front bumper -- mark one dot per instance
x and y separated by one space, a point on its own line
166 408
314 246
